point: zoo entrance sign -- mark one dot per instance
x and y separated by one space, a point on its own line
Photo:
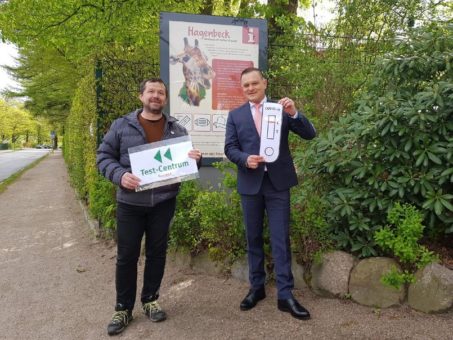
201 60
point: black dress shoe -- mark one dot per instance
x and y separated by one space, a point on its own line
293 307
252 298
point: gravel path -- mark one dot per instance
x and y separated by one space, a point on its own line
57 282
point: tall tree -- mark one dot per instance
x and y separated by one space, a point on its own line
59 41
48 81
15 122
384 19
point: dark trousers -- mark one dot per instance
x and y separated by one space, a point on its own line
132 222
277 207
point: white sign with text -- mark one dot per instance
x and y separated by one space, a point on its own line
162 163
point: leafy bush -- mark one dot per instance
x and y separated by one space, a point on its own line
310 234
79 145
102 203
395 146
221 224
395 278
401 238
185 230
210 219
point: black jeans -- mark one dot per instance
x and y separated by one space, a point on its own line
132 222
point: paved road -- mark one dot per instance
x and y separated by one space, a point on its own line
13 161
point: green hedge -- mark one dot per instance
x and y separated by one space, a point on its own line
79 150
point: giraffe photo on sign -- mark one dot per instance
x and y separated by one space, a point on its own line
197 72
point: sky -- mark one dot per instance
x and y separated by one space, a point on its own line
323 12
8 52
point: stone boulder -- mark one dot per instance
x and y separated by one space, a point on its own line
180 258
298 273
204 264
240 269
330 278
366 288
433 289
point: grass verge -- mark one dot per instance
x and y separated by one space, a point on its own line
11 179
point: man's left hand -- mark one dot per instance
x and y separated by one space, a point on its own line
195 154
288 106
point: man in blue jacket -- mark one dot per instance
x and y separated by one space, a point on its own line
146 212
265 187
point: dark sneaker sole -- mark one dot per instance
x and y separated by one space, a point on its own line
163 318
116 332
158 320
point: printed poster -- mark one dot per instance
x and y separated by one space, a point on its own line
205 61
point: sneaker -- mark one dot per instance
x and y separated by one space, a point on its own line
154 312
120 320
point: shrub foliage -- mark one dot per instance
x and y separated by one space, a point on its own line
401 239
210 219
396 145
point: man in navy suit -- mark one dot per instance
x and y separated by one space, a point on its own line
265 187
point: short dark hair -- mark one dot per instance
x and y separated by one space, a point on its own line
152 80
250 70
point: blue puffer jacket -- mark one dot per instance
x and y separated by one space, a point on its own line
113 158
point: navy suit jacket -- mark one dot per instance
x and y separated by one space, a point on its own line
242 140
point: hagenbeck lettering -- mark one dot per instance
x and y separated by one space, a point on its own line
212 34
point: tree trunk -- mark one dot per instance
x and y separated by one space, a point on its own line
280 8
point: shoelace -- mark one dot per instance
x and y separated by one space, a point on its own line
151 306
120 317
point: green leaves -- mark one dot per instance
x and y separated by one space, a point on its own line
395 146
210 219
19 128
60 41
401 238
438 202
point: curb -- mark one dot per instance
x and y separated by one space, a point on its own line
92 223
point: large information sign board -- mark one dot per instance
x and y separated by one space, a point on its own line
201 59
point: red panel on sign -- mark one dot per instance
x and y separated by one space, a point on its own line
250 35
226 87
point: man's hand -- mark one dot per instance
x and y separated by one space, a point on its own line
288 106
195 154
129 181
253 161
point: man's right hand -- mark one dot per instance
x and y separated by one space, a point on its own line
129 181
253 161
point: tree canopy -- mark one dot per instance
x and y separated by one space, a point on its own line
18 126
60 40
